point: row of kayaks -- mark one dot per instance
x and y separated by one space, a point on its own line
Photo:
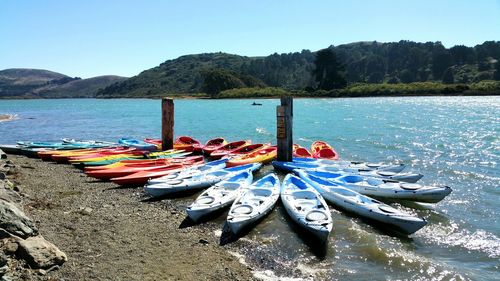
310 181
302 195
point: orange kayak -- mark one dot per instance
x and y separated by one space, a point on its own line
323 150
47 155
263 155
249 148
229 148
188 144
299 151
213 144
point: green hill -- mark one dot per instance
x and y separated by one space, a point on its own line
182 75
39 83
366 62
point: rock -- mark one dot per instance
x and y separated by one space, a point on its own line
8 194
85 211
2 155
4 270
40 253
3 259
14 221
203 241
11 247
2 176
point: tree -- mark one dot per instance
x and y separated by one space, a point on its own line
376 77
218 80
407 76
441 60
329 73
496 74
448 76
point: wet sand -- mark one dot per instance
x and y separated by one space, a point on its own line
112 233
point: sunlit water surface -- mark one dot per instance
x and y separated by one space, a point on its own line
451 140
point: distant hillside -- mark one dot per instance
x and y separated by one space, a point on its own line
366 62
38 83
81 88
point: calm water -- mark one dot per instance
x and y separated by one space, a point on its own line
453 141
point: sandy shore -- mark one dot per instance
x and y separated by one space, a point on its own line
111 233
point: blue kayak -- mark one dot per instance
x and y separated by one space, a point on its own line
137 144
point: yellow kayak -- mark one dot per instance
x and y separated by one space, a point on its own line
264 155
107 157
165 153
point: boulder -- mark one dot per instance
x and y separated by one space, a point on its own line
7 194
14 221
2 155
40 253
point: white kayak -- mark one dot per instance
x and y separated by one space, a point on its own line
256 202
306 207
196 182
386 188
191 171
219 196
364 206
316 163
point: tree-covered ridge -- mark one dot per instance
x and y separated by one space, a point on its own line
365 62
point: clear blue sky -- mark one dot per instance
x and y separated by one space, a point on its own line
95 37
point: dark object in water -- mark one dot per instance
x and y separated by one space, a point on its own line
254 103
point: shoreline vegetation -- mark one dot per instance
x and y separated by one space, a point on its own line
482 88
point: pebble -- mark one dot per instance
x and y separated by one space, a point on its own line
11 247
203 241
2 176
86 211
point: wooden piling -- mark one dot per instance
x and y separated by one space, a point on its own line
284 124
167 123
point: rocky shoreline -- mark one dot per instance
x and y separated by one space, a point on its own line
107 233
24 252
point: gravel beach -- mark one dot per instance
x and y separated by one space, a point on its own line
112 233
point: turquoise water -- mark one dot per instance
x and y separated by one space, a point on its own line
451 140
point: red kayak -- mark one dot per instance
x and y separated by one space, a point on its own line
213 144
188 144
299 151
127 170
156 142
323 150
141 178
229 148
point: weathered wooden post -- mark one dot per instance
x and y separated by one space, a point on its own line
167 123
284 124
